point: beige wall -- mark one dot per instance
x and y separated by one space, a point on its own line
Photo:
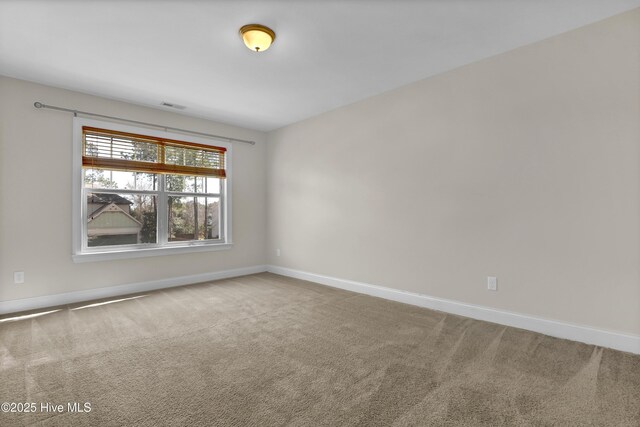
524 166
35 197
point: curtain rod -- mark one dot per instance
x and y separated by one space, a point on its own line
166 128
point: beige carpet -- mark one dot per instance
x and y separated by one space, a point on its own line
265 350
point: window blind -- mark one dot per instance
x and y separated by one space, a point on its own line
108 149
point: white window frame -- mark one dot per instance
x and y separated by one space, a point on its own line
82 253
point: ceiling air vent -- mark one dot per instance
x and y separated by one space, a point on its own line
171 105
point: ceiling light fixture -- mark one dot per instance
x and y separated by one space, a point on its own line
257 37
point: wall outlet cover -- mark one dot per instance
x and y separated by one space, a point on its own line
18 277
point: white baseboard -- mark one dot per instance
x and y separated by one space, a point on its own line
554 328
13 306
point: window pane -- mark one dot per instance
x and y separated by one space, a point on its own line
212 185
98 178
193 218
179 183
121 219
193 184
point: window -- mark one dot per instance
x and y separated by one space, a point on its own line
139 192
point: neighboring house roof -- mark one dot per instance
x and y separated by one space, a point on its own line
111 219
106 198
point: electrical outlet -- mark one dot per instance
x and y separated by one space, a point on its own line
18 277
492 283
277 252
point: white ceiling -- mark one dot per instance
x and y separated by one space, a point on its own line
327 53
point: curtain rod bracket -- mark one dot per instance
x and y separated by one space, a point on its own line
39 104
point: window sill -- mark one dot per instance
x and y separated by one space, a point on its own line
147 252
